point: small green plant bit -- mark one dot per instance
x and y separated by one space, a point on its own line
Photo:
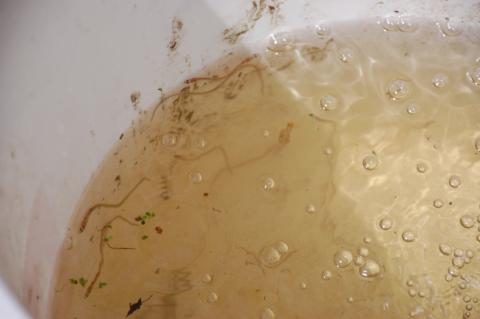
82 281
101 284
142 219
73 281
144 237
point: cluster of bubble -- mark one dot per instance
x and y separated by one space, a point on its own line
212 296
459 258
399 23
469 301
367 267
414 289
274 254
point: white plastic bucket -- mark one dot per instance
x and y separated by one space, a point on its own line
67 71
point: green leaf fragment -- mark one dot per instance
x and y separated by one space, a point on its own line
144 237
73 281
82 281
102 284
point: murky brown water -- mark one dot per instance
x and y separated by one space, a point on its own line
334 175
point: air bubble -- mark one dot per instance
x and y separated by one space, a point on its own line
448 277
458 253
267 313
449 29
196 177
467 221
411 109
468 307
454 181
270 257
416 311
422 293
408 236
469 253
410 283
390 23
207 278
322 30
363 251
474 76
422 167
463 285
478 238
445 249
453 271
328 151
326 275
350 299
397 89
475 300
438 203
268 184
466 315
359 260
303 285
345 55
386 223
266 133
458 262
467 260
369 269
370 162
343 258
212 297
328 103
407 24
440 80
282 247
169 139
281 42
367 240
412 292
310 208
279 60
466 298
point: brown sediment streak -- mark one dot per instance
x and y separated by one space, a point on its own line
216 148
283 139
223 79
89 211
102 243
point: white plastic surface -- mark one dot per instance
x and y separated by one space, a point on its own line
67 69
